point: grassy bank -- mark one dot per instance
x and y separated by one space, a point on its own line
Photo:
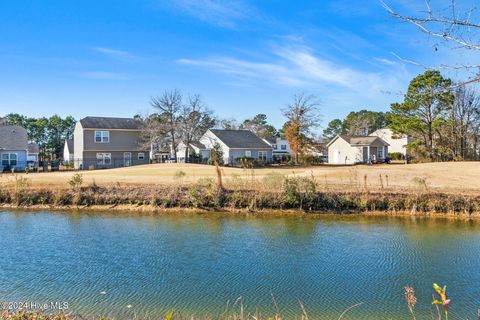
300 194
451 177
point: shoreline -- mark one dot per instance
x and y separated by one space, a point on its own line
147 210
298 196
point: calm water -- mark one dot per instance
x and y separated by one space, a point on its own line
202 264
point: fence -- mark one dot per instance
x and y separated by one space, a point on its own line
93 163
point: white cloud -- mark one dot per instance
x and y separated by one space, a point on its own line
297 65
118 54
385 61
215 12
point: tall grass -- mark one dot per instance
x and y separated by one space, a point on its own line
440 300
273 192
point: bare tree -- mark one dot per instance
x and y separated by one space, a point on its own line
166 123
228 124
302 116
449 26
465 122
195 119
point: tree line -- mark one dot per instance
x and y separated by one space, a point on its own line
357 123
49 133
441 116
180 118
185 118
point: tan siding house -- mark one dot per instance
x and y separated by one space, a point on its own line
101 142
356 149
396 143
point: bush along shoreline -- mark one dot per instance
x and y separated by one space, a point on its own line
298 194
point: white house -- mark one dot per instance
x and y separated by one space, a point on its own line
280 148
196 149
236 144
33 150
345 149
396 143
68 150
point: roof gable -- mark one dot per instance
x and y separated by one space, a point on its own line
69 143
240 139
111 123
198 145
358 140
13 138
33 148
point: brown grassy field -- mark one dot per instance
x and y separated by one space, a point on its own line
454 177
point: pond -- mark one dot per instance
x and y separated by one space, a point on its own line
123 265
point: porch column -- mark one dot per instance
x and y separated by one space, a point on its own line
368 154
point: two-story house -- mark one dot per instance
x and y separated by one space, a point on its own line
101 142
397 143
280 147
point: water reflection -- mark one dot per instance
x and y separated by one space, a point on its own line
198 263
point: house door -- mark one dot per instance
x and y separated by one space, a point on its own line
127 159
335 156
365 154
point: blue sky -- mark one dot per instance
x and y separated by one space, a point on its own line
108 57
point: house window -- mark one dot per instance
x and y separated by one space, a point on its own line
141 156
248 153
102 136
283 146
380 153
9 159
262 155
104 158
275 146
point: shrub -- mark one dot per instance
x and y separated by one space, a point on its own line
396 156
201 194
76 181
310 159
179 175
246 162
216 155
299 192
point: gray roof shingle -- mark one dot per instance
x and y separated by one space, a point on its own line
361 140
69 143
13 138
198 145
240 139
110 123
33 148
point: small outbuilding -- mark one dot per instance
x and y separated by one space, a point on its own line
345 149
68 151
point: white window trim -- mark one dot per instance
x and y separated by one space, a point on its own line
103 134
262 155
142 154
283 147
9 154
380 152
104 159
248 153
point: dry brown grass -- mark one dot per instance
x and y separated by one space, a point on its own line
448 177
